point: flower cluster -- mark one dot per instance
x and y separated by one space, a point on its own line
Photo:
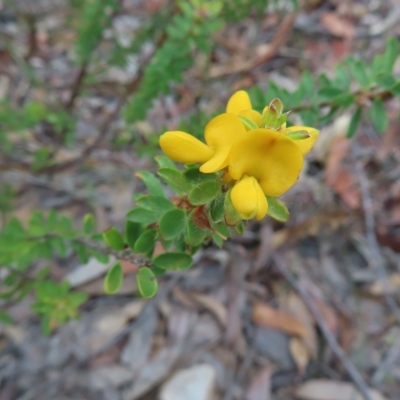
261 156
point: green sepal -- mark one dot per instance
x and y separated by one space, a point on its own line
204 193
153 185
147 282
175 179
277 210
173 261
114 239
146 242
298 135
248 123
113 279
164 161
232 216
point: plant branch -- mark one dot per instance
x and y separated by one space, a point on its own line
329 337
125 255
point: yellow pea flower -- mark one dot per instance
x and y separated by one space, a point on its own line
249 199
220 134
271 158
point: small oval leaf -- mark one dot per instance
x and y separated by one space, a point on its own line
175 179
173 261
153 185
204 193
147 282
277 210
172 223
114 239
113 279
146 242
141 215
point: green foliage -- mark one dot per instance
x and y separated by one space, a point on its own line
147 282
113 279
56 304
277 210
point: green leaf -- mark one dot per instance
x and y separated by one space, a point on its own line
81 251
114 239
157 204
153 185
175 179
147 282
359 71
354 122
146 242
141 215
204 193
385 81
195 235
217 209
113 279
391 54
172 223
132 232
194 175
89 224
396 89
5 318
232 216
330 92
277 210
164 161
218 240
378 115
248 123
173 261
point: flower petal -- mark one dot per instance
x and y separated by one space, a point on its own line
239 101
184 148
306 144
274 160
248 198
220 134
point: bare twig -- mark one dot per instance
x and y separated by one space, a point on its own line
375 260
329 337
125 255
76 87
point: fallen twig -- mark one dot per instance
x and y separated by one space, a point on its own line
329 337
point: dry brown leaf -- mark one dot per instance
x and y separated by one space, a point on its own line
380 288
277 319
324 389
296 307
260 387
337 25
213 305
298 350
340 179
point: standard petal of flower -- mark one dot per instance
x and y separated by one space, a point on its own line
274 160
184 148
306 144
248 198
220 134
239 101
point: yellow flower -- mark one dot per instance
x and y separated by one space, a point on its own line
271 158
249 199
220 134
240 105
